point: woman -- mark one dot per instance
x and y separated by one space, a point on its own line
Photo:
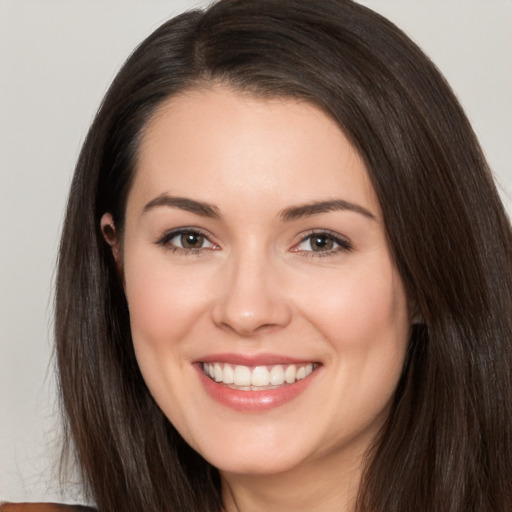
284 279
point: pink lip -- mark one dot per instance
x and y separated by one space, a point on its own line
252 401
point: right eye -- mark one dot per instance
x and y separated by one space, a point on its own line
189 241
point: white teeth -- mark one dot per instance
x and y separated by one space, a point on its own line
257 377
277 375
242 376
229 374
218 373
290 374
304 371
260 376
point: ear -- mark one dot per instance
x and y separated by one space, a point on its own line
416 316
417 319
108 230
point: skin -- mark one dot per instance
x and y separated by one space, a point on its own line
255 285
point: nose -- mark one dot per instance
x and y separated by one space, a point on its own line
252 298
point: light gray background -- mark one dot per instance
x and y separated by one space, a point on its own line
57 58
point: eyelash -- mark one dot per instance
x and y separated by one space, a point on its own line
165 240
343 245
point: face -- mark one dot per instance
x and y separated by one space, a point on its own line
267 317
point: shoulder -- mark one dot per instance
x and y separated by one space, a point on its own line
43 507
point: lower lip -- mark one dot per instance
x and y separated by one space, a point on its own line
253 401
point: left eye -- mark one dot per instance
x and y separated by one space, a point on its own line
323 243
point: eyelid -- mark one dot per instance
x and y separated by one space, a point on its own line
343 243
164 239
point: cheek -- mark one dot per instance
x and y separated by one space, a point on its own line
363 317
165 304
162 298
360 306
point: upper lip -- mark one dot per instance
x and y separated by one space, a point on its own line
252 360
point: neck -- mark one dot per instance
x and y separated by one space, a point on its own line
322 485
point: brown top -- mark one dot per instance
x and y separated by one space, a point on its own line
43 507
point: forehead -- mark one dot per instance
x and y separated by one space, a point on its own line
213 141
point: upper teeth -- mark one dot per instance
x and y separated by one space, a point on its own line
258 376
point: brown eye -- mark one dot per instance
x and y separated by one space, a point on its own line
191 240
188 242
321 243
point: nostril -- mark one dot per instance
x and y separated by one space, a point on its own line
251 325
248 329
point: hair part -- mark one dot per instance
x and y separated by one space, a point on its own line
446 444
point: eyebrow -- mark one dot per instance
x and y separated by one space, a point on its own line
287 215
190 205
315 208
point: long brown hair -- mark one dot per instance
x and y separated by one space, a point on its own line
447 444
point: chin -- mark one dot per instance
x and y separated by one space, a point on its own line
257 465
257 456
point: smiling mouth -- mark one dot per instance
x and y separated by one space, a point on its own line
258 378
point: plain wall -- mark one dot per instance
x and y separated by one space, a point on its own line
57 58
